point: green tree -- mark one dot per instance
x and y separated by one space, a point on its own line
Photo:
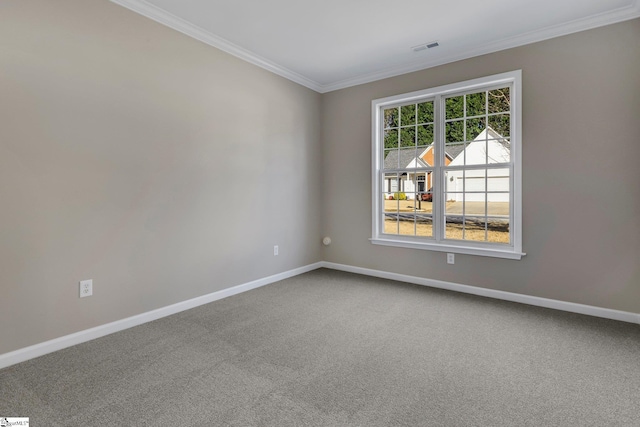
391 118
499 101
408 115
468 115
391 138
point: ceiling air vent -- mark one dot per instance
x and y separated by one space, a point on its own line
425 46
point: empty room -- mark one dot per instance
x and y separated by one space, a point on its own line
338 213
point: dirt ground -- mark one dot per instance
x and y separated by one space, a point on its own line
494 208
497 232
453 231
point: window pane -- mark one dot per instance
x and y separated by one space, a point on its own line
408 115
498 205
475 127
405 186
390 224
426 197
465 219
391 159
480 217
390 185
454 227
424 225
413 186
407 225
454 131
501 123
425 112
498 180
474 229
451 181
391 118
454 153
498 229
475 153
407 158
391 204
482 152
387 195
499 151
474 180
425 135
408 136
476 104
494 230
454 107
391 138
499 100
498 221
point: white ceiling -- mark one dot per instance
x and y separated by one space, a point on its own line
331 44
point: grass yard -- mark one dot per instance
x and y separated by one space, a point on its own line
454 231
497 231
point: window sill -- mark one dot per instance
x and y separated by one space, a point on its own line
506 253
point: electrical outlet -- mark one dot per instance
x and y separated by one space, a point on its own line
275 250
451 258
86 288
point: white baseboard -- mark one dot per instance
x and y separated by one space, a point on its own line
46 347
56 344
606 313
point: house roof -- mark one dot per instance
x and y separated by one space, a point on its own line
453 151
401 158
506 143
407 156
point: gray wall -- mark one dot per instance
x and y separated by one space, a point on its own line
159 166
581 178
165 169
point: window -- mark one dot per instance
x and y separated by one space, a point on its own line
447 168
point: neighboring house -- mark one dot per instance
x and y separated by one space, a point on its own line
412 183
407 182
487 148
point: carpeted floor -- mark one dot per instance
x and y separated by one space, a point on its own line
330 348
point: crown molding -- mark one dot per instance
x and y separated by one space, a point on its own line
612 17
163 17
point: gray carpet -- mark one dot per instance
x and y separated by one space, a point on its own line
329 348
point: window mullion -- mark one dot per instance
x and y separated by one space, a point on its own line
438 179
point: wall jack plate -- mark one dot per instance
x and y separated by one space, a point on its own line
86 288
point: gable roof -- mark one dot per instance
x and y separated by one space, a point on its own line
452 151
402 158
488 143
493 135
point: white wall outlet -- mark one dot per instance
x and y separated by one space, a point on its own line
86 288
451 258
275 250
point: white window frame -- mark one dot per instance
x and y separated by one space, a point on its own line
513 250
